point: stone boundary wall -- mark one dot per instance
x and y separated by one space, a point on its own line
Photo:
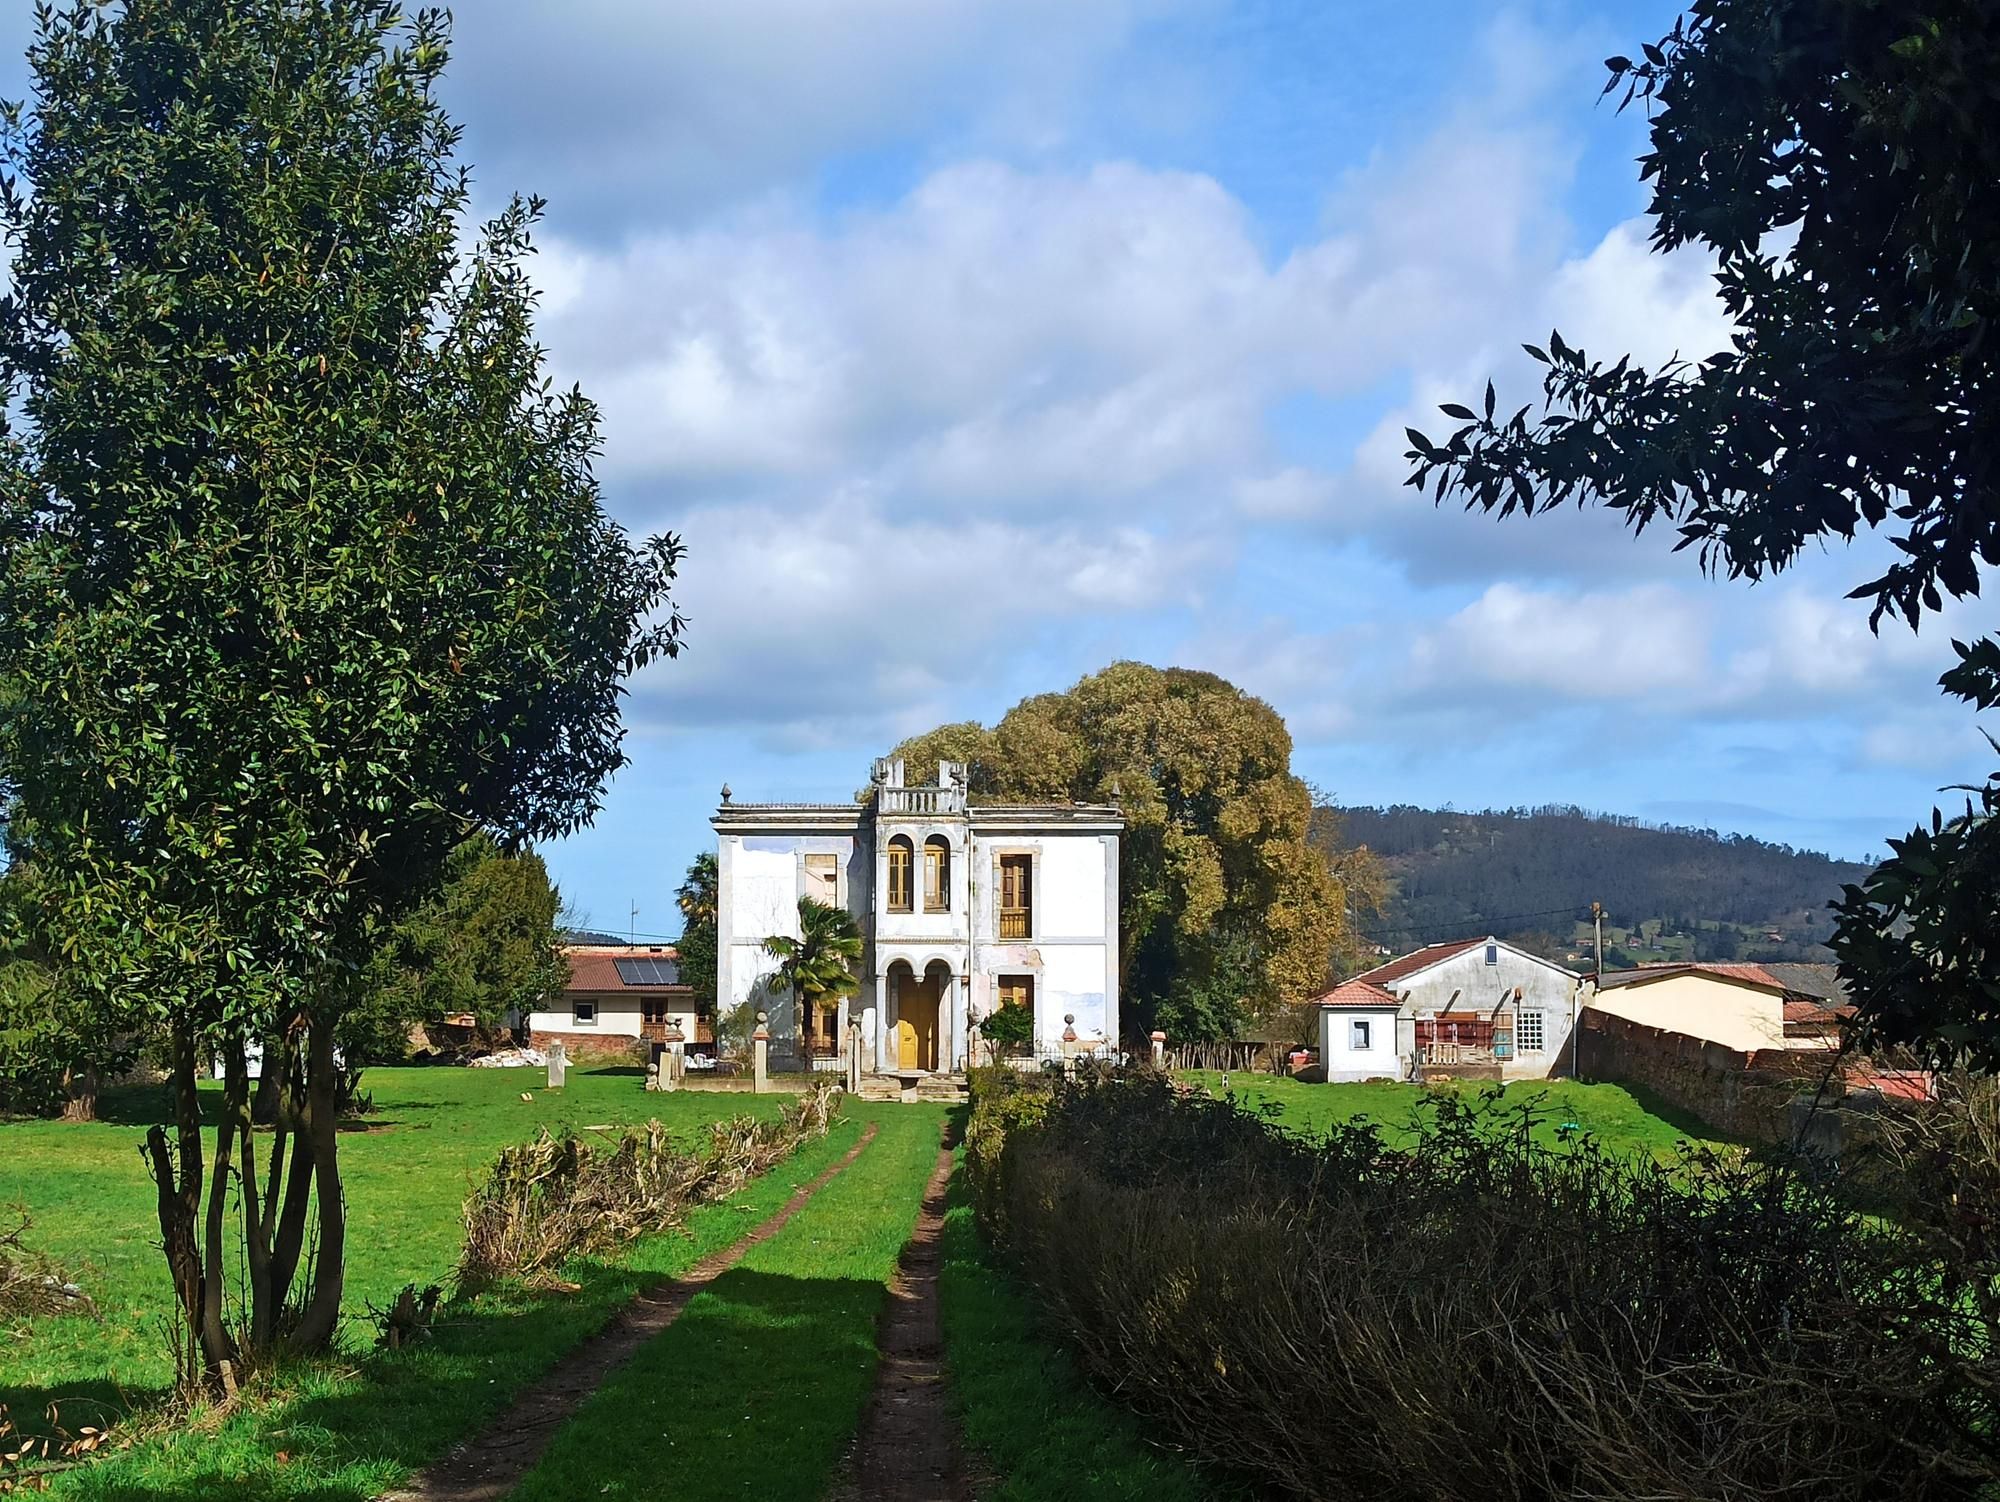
1740 1094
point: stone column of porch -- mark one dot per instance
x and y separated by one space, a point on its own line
881 1021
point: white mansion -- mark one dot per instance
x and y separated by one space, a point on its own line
962 908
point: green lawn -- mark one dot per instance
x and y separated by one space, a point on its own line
756 1390
1618 1117
1027 1411
349 1428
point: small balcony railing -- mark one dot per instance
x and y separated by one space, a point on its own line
945 800
1014 922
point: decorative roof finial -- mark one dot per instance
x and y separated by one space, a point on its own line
725 792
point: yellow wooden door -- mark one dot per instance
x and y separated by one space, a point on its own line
917 1026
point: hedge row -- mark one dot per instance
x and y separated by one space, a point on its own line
1480 1316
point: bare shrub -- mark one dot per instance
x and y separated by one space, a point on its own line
32 1282
1483 1316
560 1197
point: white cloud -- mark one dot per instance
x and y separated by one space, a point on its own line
1623 298
1103 338
1601 645
838 622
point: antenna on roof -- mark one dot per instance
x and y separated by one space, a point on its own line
632 932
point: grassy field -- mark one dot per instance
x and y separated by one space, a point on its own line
344 1428
1028 1413
756 1390
1616 1116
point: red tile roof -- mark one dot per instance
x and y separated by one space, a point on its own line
1751 975
594 968
1357 993
1805 1009
1418 959
1901 1084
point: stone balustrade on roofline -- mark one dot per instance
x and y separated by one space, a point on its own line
931 800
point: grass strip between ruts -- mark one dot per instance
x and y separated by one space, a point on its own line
756 1390
1029 1416
350 1431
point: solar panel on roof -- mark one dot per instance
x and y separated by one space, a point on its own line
648 972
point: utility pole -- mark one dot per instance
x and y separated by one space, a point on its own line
1597 960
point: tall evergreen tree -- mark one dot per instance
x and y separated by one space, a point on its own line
305 574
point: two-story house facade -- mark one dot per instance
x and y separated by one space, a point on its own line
962 907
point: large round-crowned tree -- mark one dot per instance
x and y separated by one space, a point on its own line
305 573
1225 907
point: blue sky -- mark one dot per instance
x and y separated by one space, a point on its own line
973 344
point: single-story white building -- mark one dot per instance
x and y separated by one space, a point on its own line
619 997
1479 1008
1357 1033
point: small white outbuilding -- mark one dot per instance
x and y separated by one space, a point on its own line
1357 1033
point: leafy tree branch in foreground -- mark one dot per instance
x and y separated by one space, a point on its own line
1837 158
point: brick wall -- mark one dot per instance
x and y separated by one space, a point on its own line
582 1045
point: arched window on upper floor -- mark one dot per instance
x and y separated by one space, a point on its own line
937 874
901 858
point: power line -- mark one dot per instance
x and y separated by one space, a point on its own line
1459 930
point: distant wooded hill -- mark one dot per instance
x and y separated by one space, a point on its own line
1531 874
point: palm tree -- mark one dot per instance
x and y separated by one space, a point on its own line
817 968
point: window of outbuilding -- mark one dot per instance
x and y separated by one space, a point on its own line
583 1013
1359 1031
1492 954
1530 1033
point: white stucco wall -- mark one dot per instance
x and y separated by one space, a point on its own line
1466 983
1071 954
617 1017
1702 1006
1345 1062
760 878
1072 884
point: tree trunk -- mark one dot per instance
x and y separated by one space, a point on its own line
217 1345
178 1184
270 1081
80 1088
321 1126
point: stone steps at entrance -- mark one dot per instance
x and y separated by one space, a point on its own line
917 1086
